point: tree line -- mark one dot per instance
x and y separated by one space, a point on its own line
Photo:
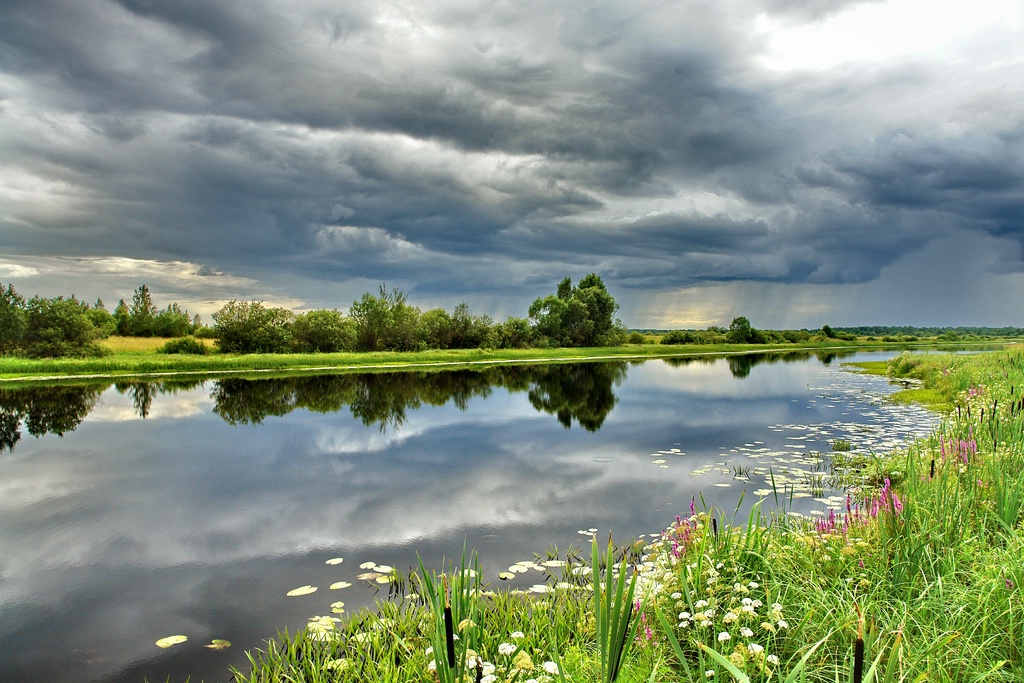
575 315
43 327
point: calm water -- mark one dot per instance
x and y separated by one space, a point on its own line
133 512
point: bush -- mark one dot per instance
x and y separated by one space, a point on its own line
515 333
189 345
323 331
250 327
796 336
59 327
679 337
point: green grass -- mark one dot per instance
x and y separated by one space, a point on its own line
138 357
926 563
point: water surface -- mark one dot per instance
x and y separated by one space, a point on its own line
136 511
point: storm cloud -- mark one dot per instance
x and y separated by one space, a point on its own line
689 152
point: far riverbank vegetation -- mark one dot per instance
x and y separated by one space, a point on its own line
64 335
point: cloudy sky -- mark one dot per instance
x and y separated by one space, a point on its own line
799 162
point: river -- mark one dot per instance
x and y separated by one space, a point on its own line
135 511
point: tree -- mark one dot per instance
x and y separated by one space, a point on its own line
741 332
601 309
59 327
122 318
13 319
142 313
578 316
323 331
470 331
102 321
434 329
546 314
385 322
251 327
173 321
515 333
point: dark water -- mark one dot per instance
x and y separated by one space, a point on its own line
132 512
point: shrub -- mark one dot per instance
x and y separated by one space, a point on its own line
515 333
189 345
323 331
679 337
59 327
250 327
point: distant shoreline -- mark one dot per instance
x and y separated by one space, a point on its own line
157 366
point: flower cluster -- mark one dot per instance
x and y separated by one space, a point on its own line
723 611
886 502
516 664
961 449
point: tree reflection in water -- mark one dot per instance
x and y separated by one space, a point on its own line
572 392
740 364
580 392
56 409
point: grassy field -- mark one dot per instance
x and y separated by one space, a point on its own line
138 356
919 577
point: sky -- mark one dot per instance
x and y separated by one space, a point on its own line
797 162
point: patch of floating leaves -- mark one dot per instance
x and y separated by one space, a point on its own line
170 641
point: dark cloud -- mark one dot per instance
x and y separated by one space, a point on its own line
467 147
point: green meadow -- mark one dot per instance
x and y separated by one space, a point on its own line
918 577
141 357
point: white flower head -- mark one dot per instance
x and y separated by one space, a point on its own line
551 667
723 636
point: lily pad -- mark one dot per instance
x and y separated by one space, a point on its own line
218 644
335 560
170 640
301 590
340 584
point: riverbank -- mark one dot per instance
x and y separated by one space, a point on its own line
139 359
921 571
